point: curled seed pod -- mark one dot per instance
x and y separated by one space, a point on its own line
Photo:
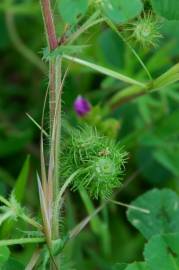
145 30
100 162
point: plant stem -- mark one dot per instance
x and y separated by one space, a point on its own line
169 77
4 201
31 221
52 44
65 185
143 210
49 24
21 241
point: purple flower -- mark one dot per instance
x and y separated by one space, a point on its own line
81 106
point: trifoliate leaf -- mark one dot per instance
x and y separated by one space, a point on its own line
162 252
164 213
121 11
70 10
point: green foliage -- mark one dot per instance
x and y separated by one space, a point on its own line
167 9
4 255
161 252
70 10
121 11
120 266
137 266
97 119
164 213
148 127
13 264
20 186
99 159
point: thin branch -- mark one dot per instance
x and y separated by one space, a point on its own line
37 125
33 260
143 210
21 241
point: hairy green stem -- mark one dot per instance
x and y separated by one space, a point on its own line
4 201
54 85
31 222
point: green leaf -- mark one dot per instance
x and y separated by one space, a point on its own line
138 266
109 42
169 158
121 11
120 266
164 213
169 126
70 10
19 189
12 144
166 8
4 255
12 264
162 252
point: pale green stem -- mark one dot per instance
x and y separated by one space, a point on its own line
37 125
31 221
4 201
21 241
143 210
104 70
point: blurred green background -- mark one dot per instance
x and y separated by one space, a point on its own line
148 126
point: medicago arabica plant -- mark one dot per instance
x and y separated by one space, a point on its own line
84 160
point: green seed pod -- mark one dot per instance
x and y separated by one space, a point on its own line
145 30
100 162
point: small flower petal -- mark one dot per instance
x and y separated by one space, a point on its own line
82 106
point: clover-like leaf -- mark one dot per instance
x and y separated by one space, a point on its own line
162 252
70 10
121 11
164 213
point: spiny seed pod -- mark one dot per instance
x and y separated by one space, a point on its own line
100 162
145 30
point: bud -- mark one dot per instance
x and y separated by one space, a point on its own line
81 106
